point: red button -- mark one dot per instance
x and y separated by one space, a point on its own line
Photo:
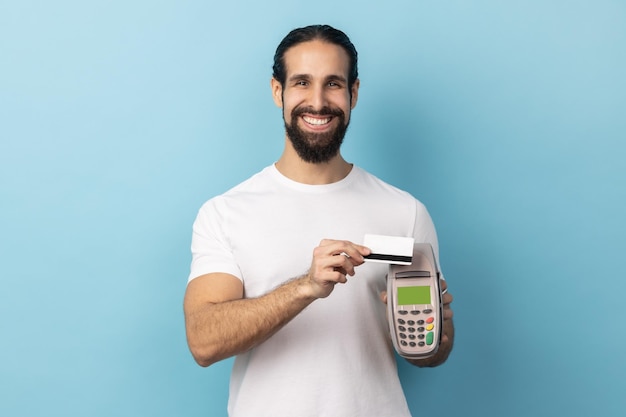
430 320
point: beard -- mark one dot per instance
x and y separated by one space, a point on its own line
316 148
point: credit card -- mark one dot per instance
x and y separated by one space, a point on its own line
389 249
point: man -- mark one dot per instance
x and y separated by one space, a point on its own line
271 257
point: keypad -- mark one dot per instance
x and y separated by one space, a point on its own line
416 331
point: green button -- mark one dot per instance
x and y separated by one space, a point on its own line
429 338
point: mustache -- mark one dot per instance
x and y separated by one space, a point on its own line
324 111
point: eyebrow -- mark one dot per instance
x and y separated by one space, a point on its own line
333 77
336 78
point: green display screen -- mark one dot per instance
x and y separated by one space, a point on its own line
413 295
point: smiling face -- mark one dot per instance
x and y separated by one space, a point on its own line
316 99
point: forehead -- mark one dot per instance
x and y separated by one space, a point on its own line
317 58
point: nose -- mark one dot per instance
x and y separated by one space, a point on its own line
318 97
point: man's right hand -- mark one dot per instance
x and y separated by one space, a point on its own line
333 261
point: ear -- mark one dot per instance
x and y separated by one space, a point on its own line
277 92
355 93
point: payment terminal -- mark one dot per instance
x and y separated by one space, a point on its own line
415 310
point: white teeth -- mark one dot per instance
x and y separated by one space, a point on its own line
315 121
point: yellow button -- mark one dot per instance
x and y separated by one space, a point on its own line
430 327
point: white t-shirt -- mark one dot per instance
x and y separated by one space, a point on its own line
335 358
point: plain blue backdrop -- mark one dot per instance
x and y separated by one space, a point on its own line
119 119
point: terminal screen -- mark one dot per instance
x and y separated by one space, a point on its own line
413 295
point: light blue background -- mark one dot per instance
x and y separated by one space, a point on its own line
119 119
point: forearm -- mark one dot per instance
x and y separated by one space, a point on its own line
219 330
447 342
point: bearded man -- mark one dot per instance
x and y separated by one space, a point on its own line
277 279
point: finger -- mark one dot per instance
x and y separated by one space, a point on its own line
332 269
446 297
357 251
342 261
326 270
447 312
346 265
341 275
337 262
330 276
383 296
352 250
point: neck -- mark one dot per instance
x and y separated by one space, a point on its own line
295 168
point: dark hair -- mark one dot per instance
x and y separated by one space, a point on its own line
309 33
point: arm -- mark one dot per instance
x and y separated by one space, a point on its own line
221 323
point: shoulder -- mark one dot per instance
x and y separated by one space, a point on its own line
257 184
375 184
390 195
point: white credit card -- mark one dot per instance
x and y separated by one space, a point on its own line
389 249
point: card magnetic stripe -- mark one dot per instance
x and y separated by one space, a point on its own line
383 257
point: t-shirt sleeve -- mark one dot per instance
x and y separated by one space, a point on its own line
210 249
